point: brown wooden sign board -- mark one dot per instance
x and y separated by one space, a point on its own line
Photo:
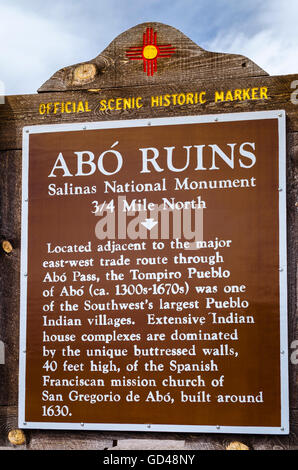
147 74
156 294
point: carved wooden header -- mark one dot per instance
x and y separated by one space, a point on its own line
147 54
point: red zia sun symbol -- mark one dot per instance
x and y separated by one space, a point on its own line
150 51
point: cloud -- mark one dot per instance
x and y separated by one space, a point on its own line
274 46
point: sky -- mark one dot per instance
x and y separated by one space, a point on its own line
38 37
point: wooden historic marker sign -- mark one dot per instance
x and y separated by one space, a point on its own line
153 274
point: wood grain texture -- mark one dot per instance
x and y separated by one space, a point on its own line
49 440
23 110
292 231
17 437
114 69
10 197
55 440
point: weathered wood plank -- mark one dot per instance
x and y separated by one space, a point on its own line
292 230
23 110
111 76
257 442
55 440
50 440
113 67
10 202
10 196
8 422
